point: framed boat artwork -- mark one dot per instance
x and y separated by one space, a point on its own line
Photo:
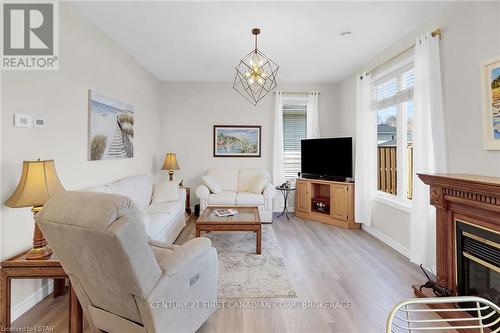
237 141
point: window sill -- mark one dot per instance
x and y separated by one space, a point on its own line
392 201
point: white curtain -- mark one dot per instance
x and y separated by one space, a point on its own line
312 115
278 149
429 147
366 152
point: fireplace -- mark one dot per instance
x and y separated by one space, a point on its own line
478 262
467 235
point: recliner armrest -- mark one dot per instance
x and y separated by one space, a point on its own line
202 192
184 255
269 191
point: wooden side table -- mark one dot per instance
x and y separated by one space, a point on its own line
18 267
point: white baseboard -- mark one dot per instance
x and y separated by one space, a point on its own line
384 239
30 301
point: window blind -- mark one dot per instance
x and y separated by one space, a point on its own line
294 130
393 87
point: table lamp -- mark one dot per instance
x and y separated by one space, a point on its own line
170 164
38 183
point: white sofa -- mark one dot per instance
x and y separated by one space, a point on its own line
163 221
235 184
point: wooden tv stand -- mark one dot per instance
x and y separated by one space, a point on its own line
326 202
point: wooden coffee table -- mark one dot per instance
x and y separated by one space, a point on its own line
247 219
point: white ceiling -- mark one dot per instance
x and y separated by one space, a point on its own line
203 41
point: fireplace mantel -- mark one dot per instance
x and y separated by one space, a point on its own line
469 198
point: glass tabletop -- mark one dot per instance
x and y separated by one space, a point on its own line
282 188
245 215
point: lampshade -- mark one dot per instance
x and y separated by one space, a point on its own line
38 183
170 162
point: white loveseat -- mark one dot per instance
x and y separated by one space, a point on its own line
235 184
164 221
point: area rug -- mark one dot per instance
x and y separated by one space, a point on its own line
244 274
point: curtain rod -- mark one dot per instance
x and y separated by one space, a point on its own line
435 33
296 92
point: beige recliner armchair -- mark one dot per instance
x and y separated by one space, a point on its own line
124 283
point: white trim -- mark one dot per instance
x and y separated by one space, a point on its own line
387 240
31 300
393 201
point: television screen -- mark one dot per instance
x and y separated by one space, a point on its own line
329 158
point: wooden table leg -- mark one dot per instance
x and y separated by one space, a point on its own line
4 302
197 232
59 287
75 313
258 239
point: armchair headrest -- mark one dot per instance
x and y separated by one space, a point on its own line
91 210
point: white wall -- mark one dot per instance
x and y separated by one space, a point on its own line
88 60
471 35
190 109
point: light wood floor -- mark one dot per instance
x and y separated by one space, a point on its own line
325 264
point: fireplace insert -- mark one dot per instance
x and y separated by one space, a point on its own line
478 262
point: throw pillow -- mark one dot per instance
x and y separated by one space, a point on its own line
165 192
213 185
258 183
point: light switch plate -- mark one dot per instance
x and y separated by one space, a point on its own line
23 120
39 123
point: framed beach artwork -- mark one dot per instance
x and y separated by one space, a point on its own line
236 141
490 77
111 128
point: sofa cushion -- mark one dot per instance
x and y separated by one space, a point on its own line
213 184
228 178
246 177
100 188
224 198
258 184
159 222
165 192
138 188
249 199
174 208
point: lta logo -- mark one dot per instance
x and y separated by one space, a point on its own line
30 39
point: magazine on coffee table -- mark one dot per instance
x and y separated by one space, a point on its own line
223 212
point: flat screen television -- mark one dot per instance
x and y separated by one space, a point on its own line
327 158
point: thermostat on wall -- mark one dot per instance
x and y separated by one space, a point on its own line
39 123
22 120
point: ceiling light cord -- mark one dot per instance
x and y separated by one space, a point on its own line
256 32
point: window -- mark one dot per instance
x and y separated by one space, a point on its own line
294 130
392 100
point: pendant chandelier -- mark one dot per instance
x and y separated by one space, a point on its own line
255 74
